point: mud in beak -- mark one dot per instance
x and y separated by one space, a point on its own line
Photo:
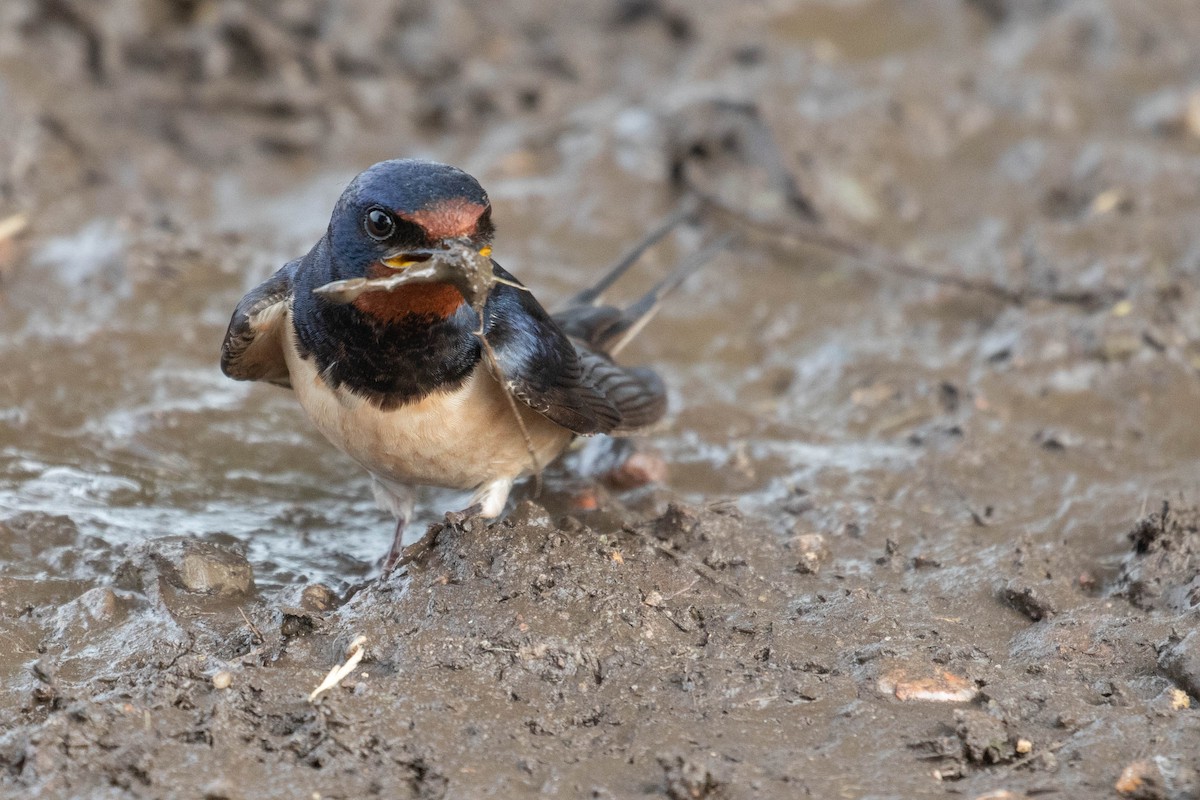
404 260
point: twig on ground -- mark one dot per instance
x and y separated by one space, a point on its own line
336 675
805 232
253 628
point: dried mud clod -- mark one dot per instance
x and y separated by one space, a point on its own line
189 565
678 522
687 779
986 739
980 739
1163 571
1028 599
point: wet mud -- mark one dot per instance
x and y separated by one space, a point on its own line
923 521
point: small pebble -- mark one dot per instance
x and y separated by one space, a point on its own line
318 597
640 469
936 685
222 680
1024 746
1141 780
193 565
813 552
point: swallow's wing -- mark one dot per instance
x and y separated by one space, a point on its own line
541 366
569 383
253 346
591 325
637 393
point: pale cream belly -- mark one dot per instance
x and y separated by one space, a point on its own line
458 440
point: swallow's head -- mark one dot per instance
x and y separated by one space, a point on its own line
392 212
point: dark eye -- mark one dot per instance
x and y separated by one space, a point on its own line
379 223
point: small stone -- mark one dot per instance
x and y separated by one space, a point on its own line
318 598
939 687
850 195
813 552
1107 201
192 565
222 680
1142 780
213 570
874 395
1122 308
1024 746
46 691
585 500
640 469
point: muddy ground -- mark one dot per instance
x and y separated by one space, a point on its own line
930 526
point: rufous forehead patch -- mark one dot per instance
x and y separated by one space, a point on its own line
447 219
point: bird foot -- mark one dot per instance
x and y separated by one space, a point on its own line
402 556
457 518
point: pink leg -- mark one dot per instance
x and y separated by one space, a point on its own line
399 555
397 548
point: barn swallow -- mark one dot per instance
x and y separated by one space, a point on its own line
396 379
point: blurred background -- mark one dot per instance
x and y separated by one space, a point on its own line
160 157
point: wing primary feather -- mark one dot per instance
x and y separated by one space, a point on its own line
608 329
635 316
590 296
